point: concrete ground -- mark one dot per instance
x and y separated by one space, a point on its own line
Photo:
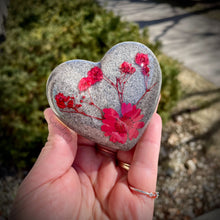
191 38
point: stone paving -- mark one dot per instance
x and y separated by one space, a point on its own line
193 39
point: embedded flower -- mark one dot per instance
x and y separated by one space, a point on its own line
145 70
95 74
78 105
127 68
70 104
61 99
85 83
142 59
131 116
121 128
113 126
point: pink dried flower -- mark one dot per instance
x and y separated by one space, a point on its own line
95 74
119 128
85 83
145 70
142 59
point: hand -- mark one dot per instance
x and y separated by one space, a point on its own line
72 180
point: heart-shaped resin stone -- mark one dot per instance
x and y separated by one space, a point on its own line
111 101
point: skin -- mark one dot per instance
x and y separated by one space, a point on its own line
72 180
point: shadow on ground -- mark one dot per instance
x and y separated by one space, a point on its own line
175 20
207 99
184 3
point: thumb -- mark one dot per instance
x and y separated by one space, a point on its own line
57 155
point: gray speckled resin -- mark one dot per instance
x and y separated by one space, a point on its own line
65 79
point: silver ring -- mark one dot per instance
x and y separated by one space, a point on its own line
152 195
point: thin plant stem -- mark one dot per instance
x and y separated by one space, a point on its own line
83 113
147 90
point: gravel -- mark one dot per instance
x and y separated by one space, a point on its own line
8 189
188 177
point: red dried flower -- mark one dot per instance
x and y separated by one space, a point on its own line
145 70
142 59
131 116
85 83
61 99
95 74
70 104
113 126
78 105
127 68
119 128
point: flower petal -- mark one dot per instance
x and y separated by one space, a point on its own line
139 124
85 83
107 129
133 133
138 118
116 137
109 121
110 112
126 108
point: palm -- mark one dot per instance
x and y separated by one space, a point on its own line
104 186
84 184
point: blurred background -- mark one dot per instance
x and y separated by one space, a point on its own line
36 36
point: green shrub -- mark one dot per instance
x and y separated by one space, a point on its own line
170 90
40 35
